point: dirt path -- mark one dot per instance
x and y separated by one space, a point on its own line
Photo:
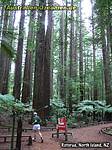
91 134
85 135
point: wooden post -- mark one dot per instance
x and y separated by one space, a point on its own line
19 134
13 128
30 140
66 135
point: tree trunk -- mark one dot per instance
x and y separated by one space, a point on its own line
28 69
109 25
3 55
7 60
51 66
38 91
19 134
61 76
106 58
81 57
95 94
75 60
4 60
1 18
47 58
71 60
65 57
18 63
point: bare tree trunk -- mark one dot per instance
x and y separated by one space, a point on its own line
7 63
4 60
47 60
38 91
28 69
65 58
51 66
106 58
71 60
109 25
62 56
81 57
95 92
75 60
18 63
1 19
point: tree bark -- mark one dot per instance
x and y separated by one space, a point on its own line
106 58
95 92
61 75
18 63
47 61
28 68
71 60
4 60
65 57
7 62
81 56
38 91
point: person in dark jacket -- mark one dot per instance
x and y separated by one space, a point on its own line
36 126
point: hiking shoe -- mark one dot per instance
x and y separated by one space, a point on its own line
34 139
42 140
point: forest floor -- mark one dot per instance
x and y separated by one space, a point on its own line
84 135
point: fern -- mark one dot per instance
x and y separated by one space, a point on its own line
9 103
